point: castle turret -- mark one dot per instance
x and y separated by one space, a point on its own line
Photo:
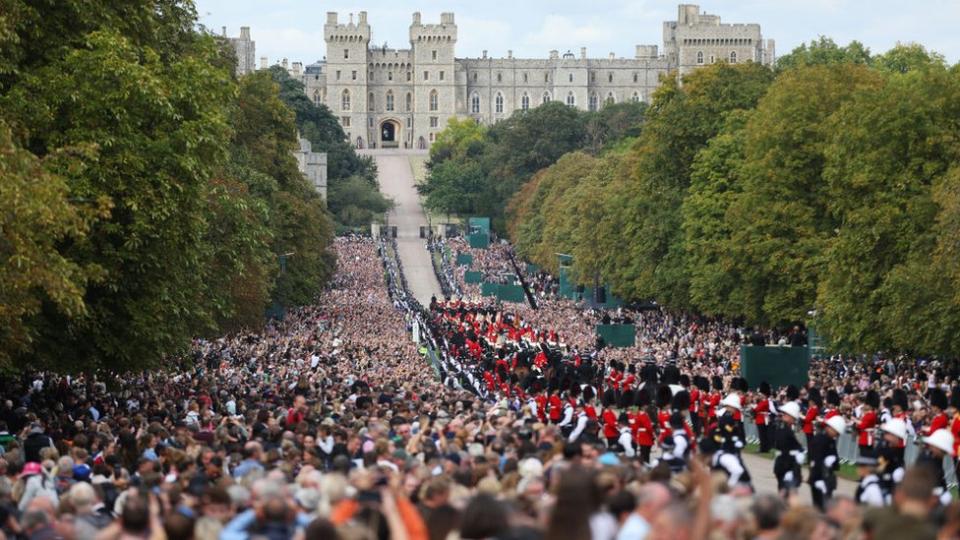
347 53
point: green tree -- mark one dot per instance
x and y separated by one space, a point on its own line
824 52
613 123
907 57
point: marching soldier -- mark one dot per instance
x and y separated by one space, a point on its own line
890 455
728 427
936 447
814 403
868 422
642 426
938 404
763 418
824 461
790 455
869 490
714 449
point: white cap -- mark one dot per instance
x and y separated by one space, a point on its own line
895 427
836 423
732 400
791 408
941 439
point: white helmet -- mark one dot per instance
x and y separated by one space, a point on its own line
676 389
941 439
791 408
836 423
732 400
896 427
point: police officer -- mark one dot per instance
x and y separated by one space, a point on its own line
869 489
825 461
790 455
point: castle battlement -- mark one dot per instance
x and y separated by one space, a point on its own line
350 31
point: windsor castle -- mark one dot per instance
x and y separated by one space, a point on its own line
402 98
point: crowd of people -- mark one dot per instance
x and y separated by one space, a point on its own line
367 415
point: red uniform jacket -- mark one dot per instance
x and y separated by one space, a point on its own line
866 425
556 408
955 429
939 422
642 428
809 419
610 428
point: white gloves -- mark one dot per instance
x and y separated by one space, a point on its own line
820 485
800 457
829 461
788 478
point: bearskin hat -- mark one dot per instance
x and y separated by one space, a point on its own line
575 390
954 397
833 398
676 421
608 399
632 369
813 394
764 388
872 398
793 393
642 397
623 418
681 401
899 399
684 380
588 393
938 398
626 399
702 383
717 382
664 396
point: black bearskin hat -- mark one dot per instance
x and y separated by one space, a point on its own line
684 380
954 397
793 393
740 384
642 397
872 399
664 396
589 393
608 399
899 399
702 383
676 421
765 388
717 382
575 390
833 398
813 394
681 401
938 398
626 399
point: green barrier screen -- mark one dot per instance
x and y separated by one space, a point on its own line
568 289
618 335
480 240
511 293
481 224
779 366
464 259
473 276
489 289
532 269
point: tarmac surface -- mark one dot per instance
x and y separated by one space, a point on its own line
397 182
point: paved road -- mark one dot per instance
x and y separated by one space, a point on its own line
761 472
396 182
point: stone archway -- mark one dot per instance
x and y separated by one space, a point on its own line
422 143
390 134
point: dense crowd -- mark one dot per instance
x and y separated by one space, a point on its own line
334 424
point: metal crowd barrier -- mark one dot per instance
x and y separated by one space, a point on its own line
848 450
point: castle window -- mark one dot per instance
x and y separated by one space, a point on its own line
570 77
610 77
610 99
370 122
434 100
345 101
636 97
409 102
389 100
733 57
634 77
499 77
498 102
713 59
431 137
409 123
593 102
524 77
409 76
593 77
434 55
434 121
525 102
475 103
389 75
700 57
546 97
441 75
346 53
474 76
353 75
338 74
345 121
370 101
546 77
316 97
426 75
571 100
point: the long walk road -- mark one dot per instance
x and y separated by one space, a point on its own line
397 182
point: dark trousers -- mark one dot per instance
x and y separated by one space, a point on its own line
645 454
764 434
819 498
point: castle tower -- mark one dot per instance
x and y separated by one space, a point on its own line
433 49
347 53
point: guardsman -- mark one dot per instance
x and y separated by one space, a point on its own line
787 466
954 411
642 426
868 422
762 417
938 405
810 419
728 427
730 463
825 461
890 455
936 447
